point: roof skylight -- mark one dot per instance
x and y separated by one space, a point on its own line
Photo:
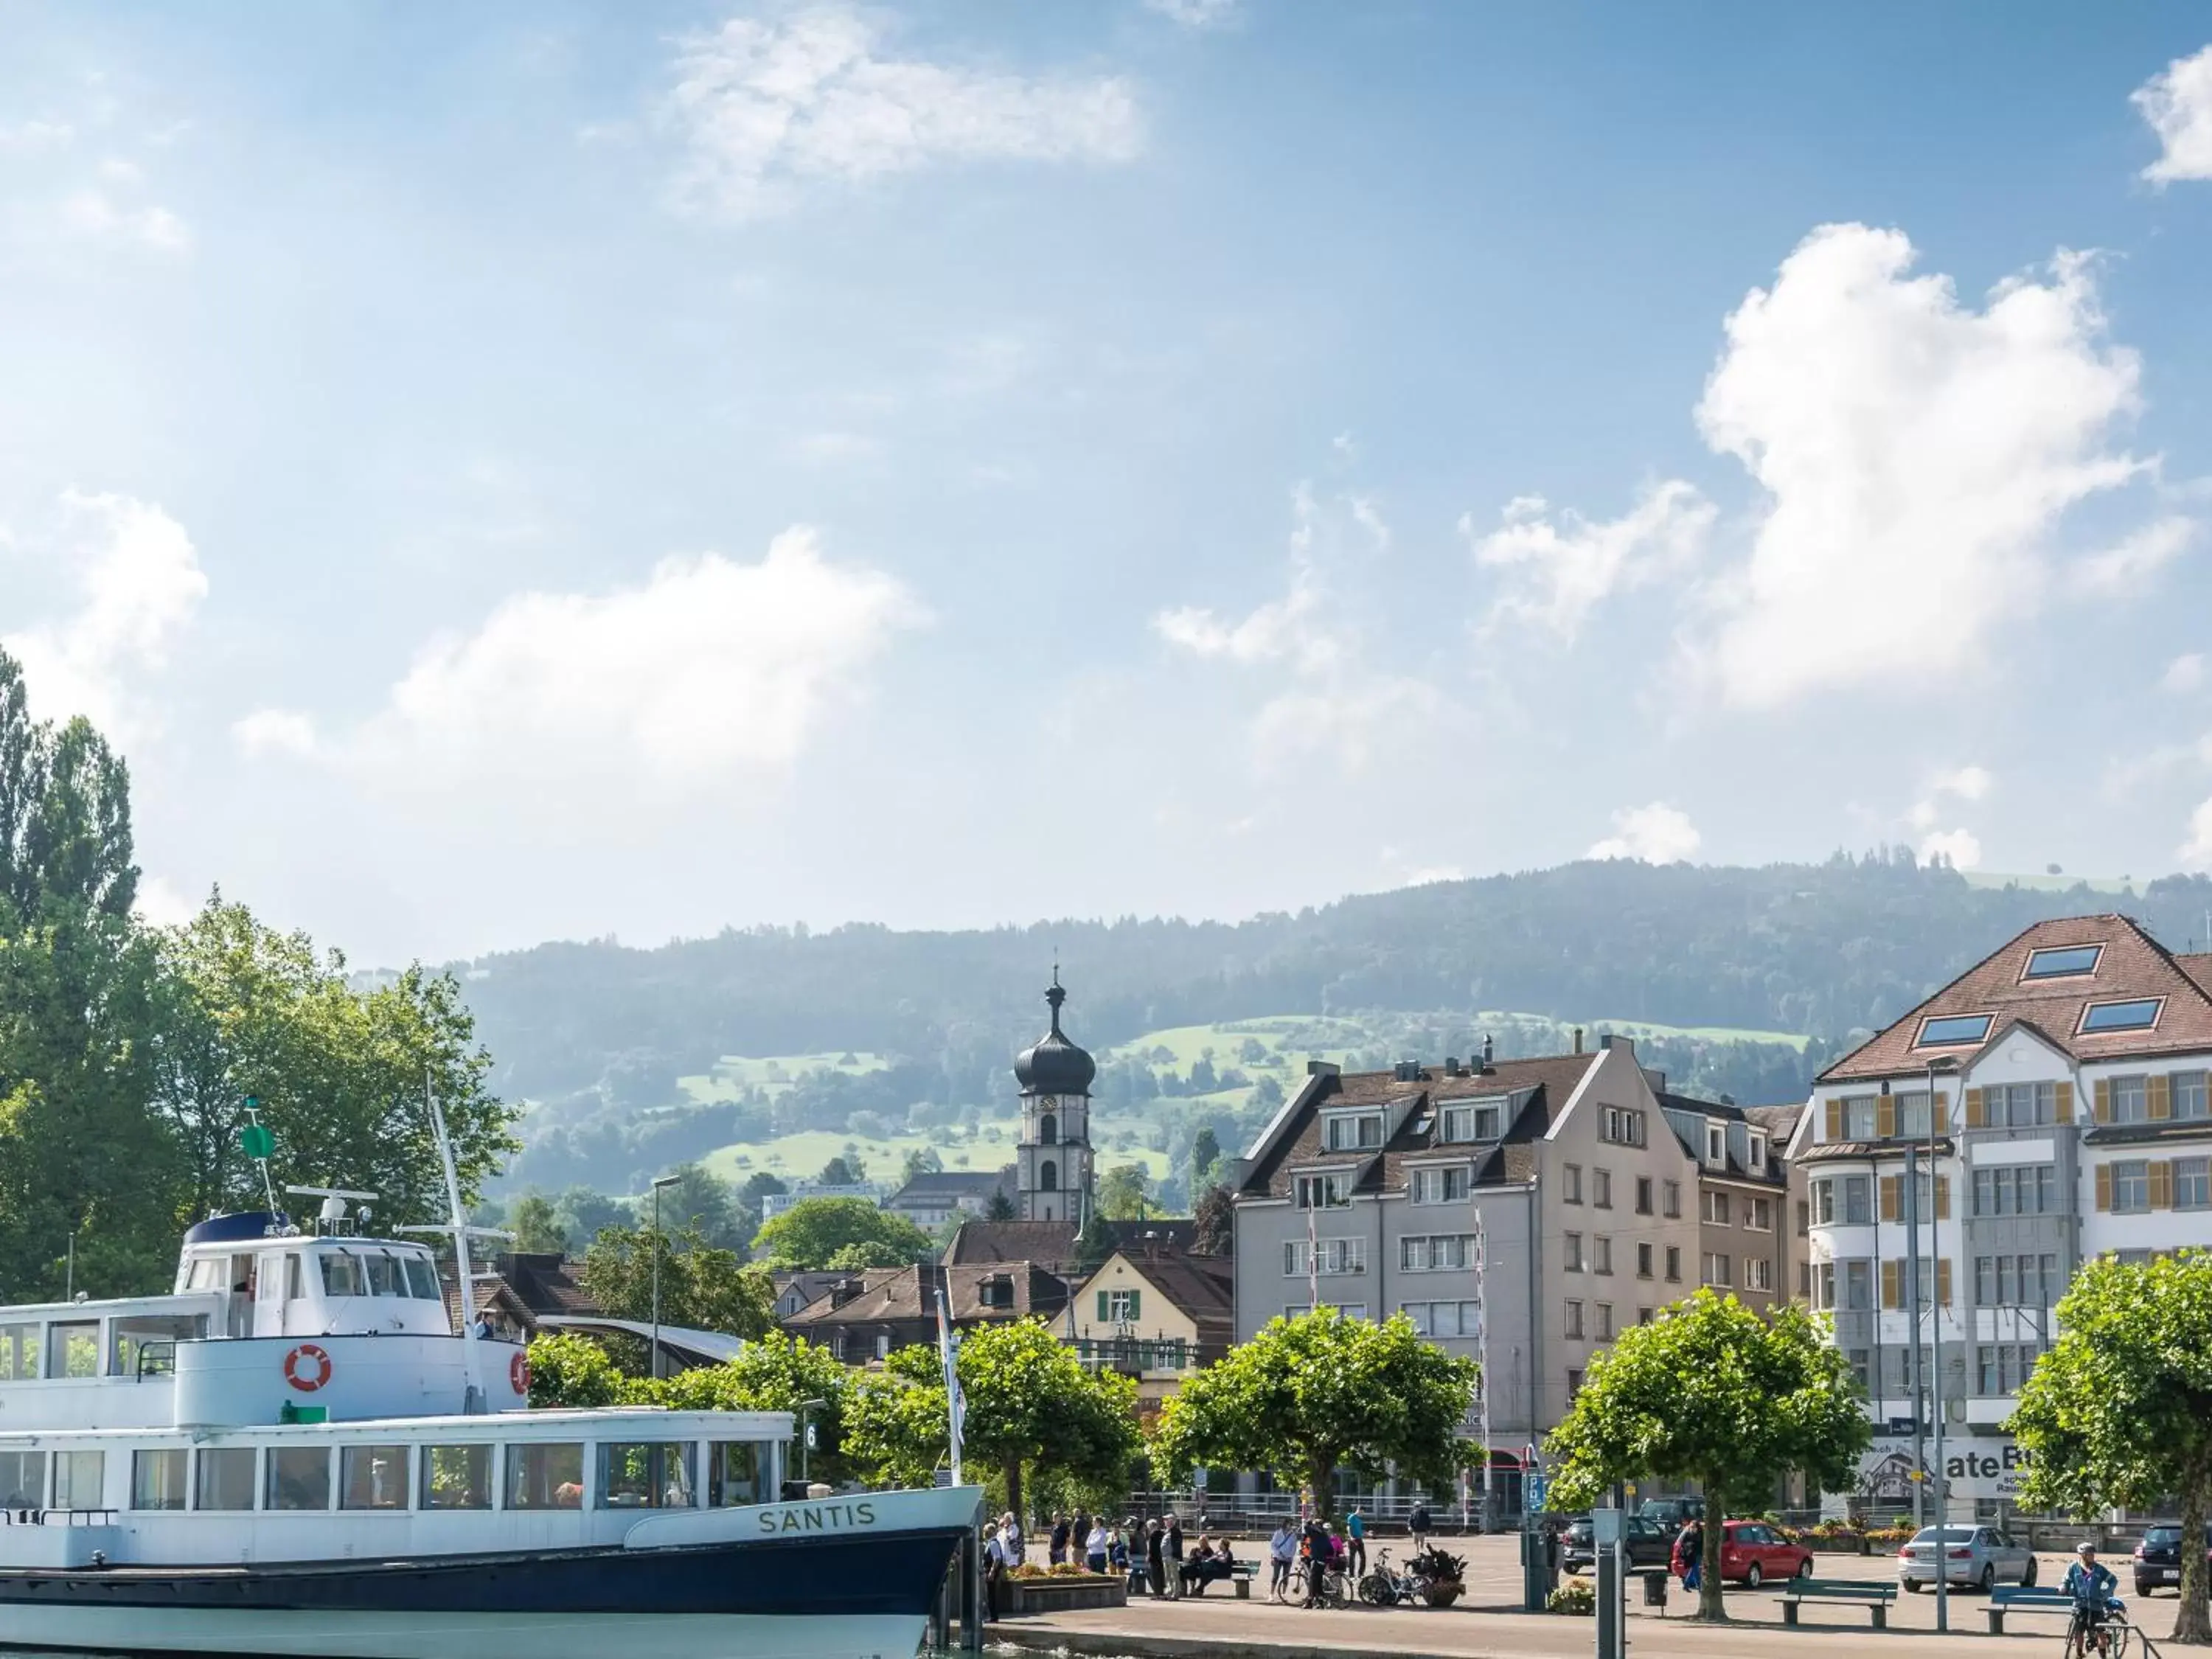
1945 1029
2137 1016
2062 961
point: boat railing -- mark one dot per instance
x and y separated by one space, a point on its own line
57 1517
157 1358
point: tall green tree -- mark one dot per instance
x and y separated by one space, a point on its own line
1205 1158
702 1286
535 1224
812 1230
1311 1395
1030 1406
775 1373
342 1075
1213 1222
702 1200
1712 1392
2118 1412
1122 1193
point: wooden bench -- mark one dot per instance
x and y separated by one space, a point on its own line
1875 1598
2024 1598
1242 1574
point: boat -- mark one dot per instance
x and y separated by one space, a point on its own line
296 1452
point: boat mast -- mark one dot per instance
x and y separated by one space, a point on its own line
457 1224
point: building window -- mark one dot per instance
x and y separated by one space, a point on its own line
1859 1284
1571 1176
1804 1222
1574 1385
1672 1193
1049 1177
1823 1202
1324 1192
2140 1014
1716 1209
1574 1253
1622 1125
1758 1161
1823 1283
1861 1370
2020 1105
1643 1194
1605 1321
1675 1264
1858 1117
1437 1253
1643 1260
1944 1030
2130 1186
2131 1099
1472 1120
1758 1214
1445 1319
2191 1099
1717 1270
2192 1184
1575 1320
1048 1129
2016 1189
1119 1307
1348 1132
1758 1273
1336 1256
2062 961
1716 1144
1601 1254
1445 1186
1602 1189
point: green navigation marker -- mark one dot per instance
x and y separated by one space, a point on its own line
258 1139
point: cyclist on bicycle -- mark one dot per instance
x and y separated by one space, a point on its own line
2091 1583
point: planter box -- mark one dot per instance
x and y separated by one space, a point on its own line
1028 1595
1836 1545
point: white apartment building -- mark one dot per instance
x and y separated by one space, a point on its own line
2070 1117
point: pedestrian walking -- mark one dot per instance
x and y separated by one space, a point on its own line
1172 1545
1056 1541
1420 1526
1355 1532
1689 1557
1155 1568
1282 1551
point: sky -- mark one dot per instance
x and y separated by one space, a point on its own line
548 470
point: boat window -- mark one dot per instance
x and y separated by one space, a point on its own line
19 1353
80 1481
206 1274
294 1290
734 1474
22 1481
145 1345
226 1478
423 1278
645 1475
384 1278
373 1477
299 1477
546 1475
73 1350
456 1477
157 1478
340 1274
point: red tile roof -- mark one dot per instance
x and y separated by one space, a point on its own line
2132 966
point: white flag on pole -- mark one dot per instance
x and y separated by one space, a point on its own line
948 1352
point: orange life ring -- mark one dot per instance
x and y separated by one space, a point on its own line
307 1367
518 1373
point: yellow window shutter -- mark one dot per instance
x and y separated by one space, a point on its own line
2102 1109
1891 1186
2161 1096
2066 1103
2104 1186
1891 1272
1885 1116
1942 1198
1835 1121
1943 1281
1942 1110
2161 1184
1974 1109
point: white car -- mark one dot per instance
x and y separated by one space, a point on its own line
1980 1557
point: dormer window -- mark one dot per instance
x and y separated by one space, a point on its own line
1716 1144
1471 1120
1944 1030
1349 1132
2063 962
1758 1153
1323 1191
2137 1016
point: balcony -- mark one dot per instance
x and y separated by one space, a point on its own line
1134 1356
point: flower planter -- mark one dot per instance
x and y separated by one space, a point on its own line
1442 1595
1854 1545
1031 1596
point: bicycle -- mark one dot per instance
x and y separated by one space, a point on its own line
1314 1586
2107 1640
1382 1588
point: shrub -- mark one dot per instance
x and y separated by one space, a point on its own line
1578 1596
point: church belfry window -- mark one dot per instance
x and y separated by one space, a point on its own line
1048 1129
1049 1177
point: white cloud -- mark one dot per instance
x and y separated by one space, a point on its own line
1960 848
274 731
1656 834
101 216
2196 853
2185 673
1568 567
139 582
1916 454
2179 106
711 668
33 137
162 903
2127 568
1967 783
762 106
1195 14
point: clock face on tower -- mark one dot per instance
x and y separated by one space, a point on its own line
1046 1102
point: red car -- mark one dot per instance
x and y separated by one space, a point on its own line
1753 1552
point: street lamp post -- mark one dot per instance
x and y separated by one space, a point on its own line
662 1181
1935 1343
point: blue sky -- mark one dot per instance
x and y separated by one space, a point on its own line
556 470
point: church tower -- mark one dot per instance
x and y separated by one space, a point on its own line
1054 1157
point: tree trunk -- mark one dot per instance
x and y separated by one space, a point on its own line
1012 1471
1321 1476
2191 1623
1709 1605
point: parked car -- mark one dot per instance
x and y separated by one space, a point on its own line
1981 1557
2158 1557
1752 1553
1673 1513
1649 1544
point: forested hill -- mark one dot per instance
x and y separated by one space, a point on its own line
1822 950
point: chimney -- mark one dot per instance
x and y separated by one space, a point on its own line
1486 1052
1451 1064
1578 1039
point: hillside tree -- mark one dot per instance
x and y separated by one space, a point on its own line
814 1230
702 1286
